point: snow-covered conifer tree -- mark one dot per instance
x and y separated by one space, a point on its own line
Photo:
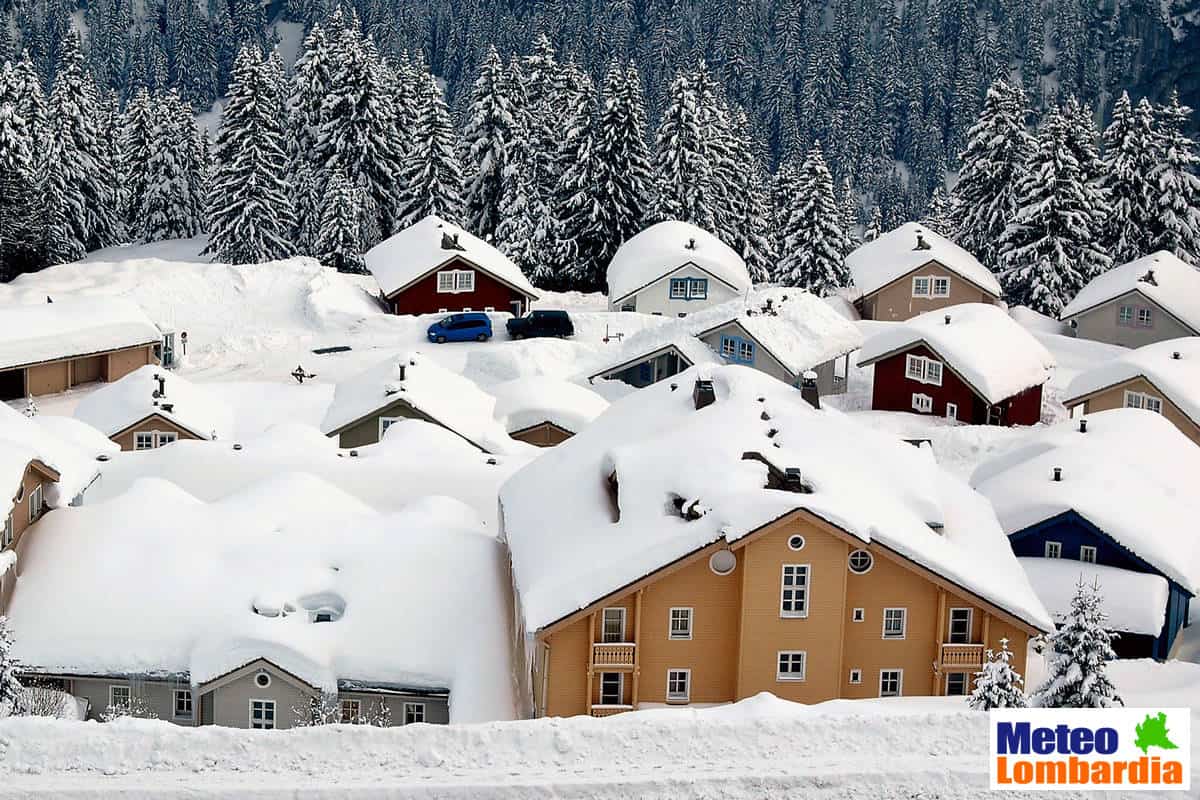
1176 176
682 170
578 225
998 684
937 213
848 217
812 255
171 205
874 225
11 694
339 242
135 151
1080 650
312 82
1129 162
754 233
623 176
431 176
20 201
488 134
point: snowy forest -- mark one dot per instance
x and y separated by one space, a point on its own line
1048 139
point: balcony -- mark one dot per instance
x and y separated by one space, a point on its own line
958 657
608 710
610 655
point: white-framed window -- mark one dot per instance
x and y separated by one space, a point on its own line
143 440
951 410
698 288
895 623
941 286
728 347
1053 550
921 286
351 712
167 437
612 688
745 351
1145 318
1143 400
923 370
6 537
858 615
414 712
679 685
933 372
960 625
922 403
612 627
678 288
891 682
860 562
262 715
1125 315
385 423
119 696
1087 553
35 503
680 623
183 704
795 542
856 675
790 665
793 591
956 684
456 280
489 309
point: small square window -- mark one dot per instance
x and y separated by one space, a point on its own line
143 440
952 411
681 623
698 288
746 351
728 347
933 372
920 287
1125 315
895 622
914 368
119 696
679 685
922 403
1087 553
941 287
891 682
613 625
35 503
858 615
351 712
790 665
445 281
1152 404
1144 318
167 437
183 703
856 676
1053 550
679 288
956 684
414 712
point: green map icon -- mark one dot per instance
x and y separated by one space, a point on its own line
1152 732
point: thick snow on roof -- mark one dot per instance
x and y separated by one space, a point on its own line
1136 602
1178 378
71 453
1132 475
530 401
401 259
454 401
71 327
1176 287
115 406
570 545
981 343
191 574
895 254
799 329
667 246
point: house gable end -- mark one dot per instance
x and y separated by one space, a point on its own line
667 275
456 260
908 275
253 666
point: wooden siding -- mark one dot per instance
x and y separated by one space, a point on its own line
366 430
546 434
154 422
123 362
53 377
423 297
894 302
1100 323
1114 397
88 370
50 378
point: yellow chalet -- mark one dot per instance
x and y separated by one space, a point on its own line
716 535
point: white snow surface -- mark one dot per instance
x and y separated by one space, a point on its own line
894 254
664 248
1177 378
115 406
413 252
1132 475
63 448
68 327
981 343
525 402
190 575
1135 602
1176 287
570 545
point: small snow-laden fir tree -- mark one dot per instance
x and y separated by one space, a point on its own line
683 173
431 176
312 82
488 134
31 409
1080 650
937 213
874 225
848 216
545 95
623 172
1129 163
523 234
998 684
137 707
339 239
12 696
135 149
20 200
1081 140
812 236
1176 177
322 709
171 203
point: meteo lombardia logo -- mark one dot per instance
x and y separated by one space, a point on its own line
1102 749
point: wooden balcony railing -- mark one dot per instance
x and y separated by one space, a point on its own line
608 711
612 654
962 656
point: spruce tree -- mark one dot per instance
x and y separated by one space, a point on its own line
1175 176
171 205
623 177
339 240
937 213
754 232
12 695
874 226
1129 162
135 151
682 170
1080 650
20 199
998 684
431 176
577 257
312 82
812 256
488 135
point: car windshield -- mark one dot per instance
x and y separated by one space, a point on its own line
445 321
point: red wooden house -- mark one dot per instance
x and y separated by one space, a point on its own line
435 267
971 363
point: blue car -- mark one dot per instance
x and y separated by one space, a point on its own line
461 328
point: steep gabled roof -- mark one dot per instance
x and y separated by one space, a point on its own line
664 248
1161 277
115 406
73 327
525 402
1177 378
896 253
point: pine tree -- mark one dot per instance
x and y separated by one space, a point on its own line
20 201
812 236
754 232
1176 178
848 217
683 172
431 177
134 152
623 176
578 225
874 226
998 684
12 695
1080 650
172 204
1129 162
339 242
937 213
312 82
491 126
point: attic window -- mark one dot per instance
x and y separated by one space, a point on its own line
262 680
860 562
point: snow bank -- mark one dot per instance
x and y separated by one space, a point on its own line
572 545
1136 602
531 401
981 343
1160 276
1177 378
665 247
115 406
895 254
23 439
70 327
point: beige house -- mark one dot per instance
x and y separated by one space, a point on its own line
544 411
911 270
1163 378
703 546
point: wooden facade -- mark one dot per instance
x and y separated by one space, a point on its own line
544 434
896 302
153 424
52 377
1114 397
421 296
25 506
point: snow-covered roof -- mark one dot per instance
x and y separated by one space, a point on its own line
1135 602
1131 474
525 402
191 575
799 329
30 334
1161 276
573 545
447 397
664 248
980 343
1177 378
418 249
896 253
66 450
115 406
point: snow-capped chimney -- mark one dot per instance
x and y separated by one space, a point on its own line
808 389
162 387
450 242
703 393
1149 278
402 370
947 319
921 243
1176 355
1057 475
691 244
1083 426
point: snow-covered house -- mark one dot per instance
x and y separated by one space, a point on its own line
1163 377
970 363
674 268
50 347
1111 498
545 411
411 386
716 537
433 266
242 611
782 332
1150 299
911 270
151 407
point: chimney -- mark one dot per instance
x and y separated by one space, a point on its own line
1083 426
1057 475
921 243
162 386
808 389
703 393
402 371
947 319
1149 278
691 244
450 242
168 407
792 481
1176 355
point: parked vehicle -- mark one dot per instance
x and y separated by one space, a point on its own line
461 328
540 323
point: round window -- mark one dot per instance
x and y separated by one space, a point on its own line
861 561
262 680
722 562
796 542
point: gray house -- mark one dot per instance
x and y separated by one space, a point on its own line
1152 299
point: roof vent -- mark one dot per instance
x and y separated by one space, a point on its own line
402 368
1057 475
167 407
1176 355
237 446
491 462
450 242
947 319
674 386
102 457
808 389
1083 426
792 481
354 454
1149 278
764 416
703 393
921 243
691 244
